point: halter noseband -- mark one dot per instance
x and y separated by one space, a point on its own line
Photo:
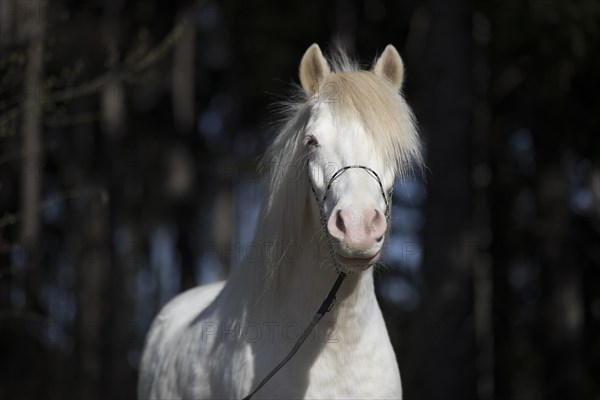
336 175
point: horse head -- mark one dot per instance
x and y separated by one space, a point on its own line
360 136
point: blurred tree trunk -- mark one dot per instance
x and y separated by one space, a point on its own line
483 263
92 276
120 268
184 113
448 353
562 306
32 31
7 28
224 225
183 74
100 306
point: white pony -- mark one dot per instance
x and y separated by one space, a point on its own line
220 340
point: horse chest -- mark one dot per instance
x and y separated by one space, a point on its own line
369 371
366 370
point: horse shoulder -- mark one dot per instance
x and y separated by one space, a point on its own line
158 367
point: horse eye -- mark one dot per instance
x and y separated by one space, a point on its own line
311 142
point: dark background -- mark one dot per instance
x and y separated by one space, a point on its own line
130 132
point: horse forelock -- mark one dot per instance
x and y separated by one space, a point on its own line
387 120
351 95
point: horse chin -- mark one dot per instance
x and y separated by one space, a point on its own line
357 263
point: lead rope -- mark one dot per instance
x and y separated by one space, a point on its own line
325 307
329 301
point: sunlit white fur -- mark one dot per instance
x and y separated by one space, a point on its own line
220 340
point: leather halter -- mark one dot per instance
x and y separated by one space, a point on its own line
336 175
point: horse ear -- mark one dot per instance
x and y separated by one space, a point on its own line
390 66
313 68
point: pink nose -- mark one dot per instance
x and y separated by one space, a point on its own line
357 229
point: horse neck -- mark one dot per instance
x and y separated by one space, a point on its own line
307 282
294 289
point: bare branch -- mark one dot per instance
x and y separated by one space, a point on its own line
132 66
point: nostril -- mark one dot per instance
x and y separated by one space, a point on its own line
378 226
339 222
